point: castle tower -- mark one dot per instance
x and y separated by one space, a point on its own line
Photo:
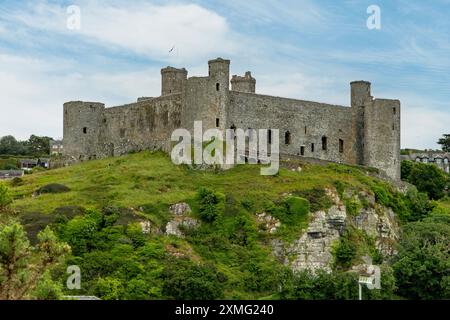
219 71
82 122
173 80
243 84
376 130
360 96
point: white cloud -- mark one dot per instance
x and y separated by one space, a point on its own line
34 94
147 29
422 127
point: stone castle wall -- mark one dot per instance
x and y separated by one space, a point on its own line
366 133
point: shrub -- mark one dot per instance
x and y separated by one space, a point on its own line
297 206
16 182
422 264
318 199
53 188
5 197
430 179
212 204
184 280
344 252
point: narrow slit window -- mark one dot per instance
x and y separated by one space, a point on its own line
287 138
217 122
312 147
270 136
84 130
324 143
217 86
302 150
341 146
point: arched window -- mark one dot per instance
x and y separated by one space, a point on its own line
324 143
287 138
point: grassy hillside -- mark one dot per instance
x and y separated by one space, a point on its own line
151 178
228 256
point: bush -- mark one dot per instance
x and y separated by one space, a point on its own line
322 286
53 188
212 204
422 264
297 206
5 197
318 199
16 182
344 252
429 179
184 280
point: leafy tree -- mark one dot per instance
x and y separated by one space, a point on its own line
419 204
184 280
22 267
38 145
9 145
422 265
445 142
429 179
406 167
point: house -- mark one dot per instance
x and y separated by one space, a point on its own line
438 158
56 147
28 164
11 174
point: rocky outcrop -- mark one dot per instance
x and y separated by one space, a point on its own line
180 221
313 250
267 222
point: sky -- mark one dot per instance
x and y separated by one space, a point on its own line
303 49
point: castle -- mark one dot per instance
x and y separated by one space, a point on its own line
366 133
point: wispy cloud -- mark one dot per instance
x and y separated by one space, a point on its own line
301 48
146 29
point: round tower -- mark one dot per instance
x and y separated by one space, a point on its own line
173 80
82 122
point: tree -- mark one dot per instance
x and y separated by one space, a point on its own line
9 145
39 145
22 267
445 142
430 179
422 265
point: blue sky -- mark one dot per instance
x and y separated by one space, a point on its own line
302 49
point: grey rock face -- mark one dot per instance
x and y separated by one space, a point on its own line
313 250
180 221
180 209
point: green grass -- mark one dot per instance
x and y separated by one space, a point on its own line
151 178
147 183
